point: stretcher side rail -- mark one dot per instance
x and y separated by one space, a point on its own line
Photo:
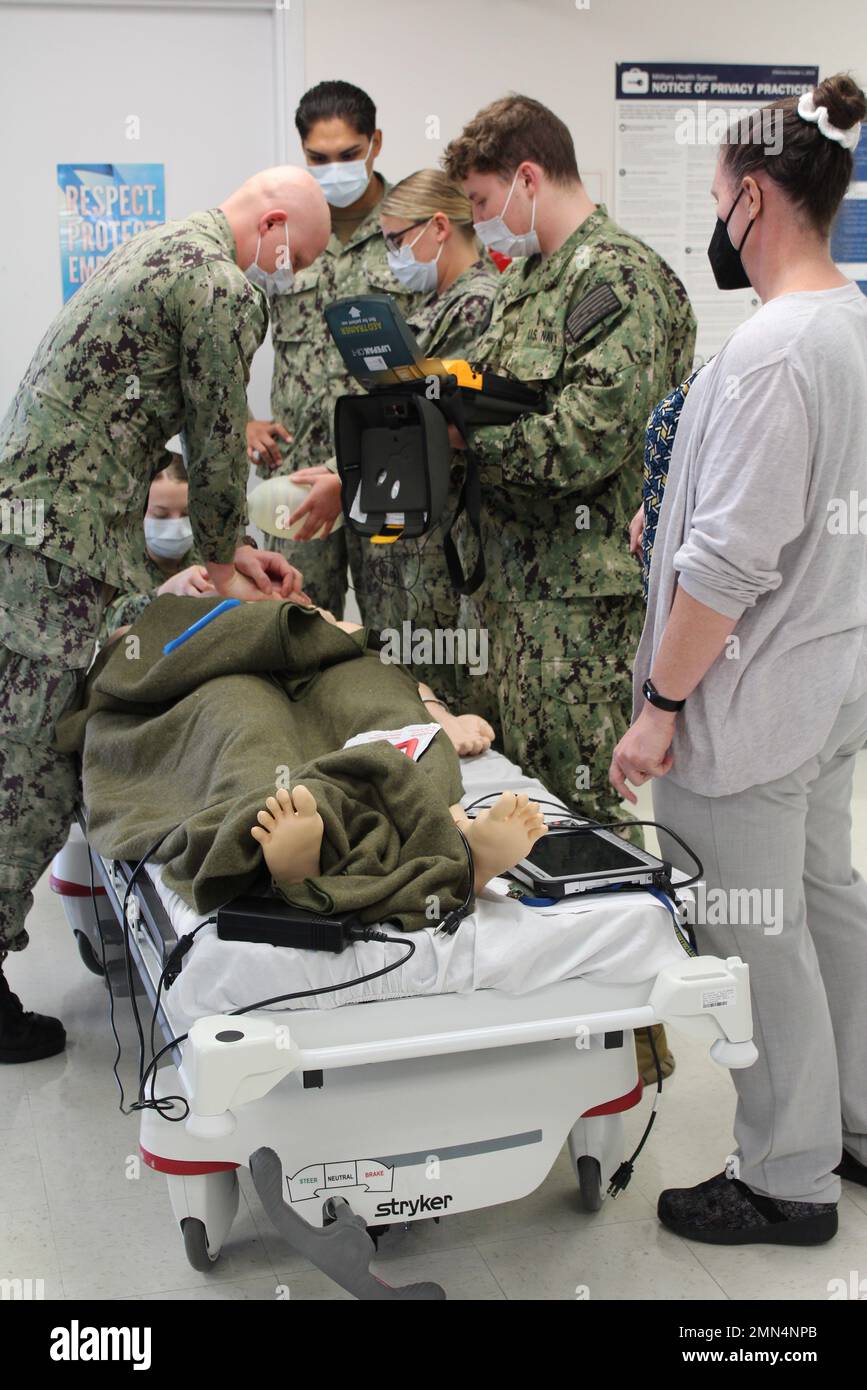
230 1060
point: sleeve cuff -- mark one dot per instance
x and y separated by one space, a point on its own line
711 598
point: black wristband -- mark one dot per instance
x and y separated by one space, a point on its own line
653 697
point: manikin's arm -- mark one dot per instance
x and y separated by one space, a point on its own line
469 733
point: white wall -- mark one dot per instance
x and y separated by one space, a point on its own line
450 57
212 83
217 93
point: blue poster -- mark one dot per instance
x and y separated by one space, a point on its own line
102 205
849 233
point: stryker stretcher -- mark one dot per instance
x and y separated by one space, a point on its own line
447 1085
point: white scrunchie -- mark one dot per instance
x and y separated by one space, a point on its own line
808 111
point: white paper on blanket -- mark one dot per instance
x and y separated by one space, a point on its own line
412 740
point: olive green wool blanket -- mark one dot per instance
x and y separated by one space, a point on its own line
193 742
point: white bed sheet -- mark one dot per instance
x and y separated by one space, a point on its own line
616 939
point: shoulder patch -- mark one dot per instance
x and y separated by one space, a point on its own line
594 307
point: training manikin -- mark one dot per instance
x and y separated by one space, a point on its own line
246 725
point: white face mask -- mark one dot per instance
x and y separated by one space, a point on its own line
343 183
494 233
273 282
168 537
418 276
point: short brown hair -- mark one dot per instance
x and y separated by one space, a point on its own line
174 468
501 136
812 171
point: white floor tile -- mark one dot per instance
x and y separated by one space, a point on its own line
789 1272
628 1260
28 1252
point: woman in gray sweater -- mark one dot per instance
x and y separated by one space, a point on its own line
751 675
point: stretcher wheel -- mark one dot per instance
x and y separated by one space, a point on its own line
88 955
589 1182
196 1244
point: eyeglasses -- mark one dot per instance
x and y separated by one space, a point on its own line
394 240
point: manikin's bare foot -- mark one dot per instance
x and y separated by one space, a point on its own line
290 833
502 835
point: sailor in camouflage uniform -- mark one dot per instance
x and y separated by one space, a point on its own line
432 219
595 320
337 126
158 340
179 572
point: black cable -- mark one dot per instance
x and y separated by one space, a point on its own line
592 826
622 1176
107 977
107 974
125 929
452 920
362 934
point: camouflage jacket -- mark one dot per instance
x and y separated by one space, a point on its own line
449 323
129 604
158 340
603 328
309 373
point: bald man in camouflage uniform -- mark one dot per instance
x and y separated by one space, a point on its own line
159 339
603 328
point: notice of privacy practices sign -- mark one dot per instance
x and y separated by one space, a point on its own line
101 206
670 120
849 233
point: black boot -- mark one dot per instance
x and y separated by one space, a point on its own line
26 1037
852 1169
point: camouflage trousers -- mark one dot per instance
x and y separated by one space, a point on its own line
324 564
558 690
435 644
49 618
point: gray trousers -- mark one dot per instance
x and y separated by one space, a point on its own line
806 947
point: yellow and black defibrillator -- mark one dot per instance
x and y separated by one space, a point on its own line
393 452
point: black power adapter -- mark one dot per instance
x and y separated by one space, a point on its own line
277 923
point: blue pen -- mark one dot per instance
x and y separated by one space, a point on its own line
202 622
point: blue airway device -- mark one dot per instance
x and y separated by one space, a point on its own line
202 622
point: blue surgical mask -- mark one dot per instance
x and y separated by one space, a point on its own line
496 236
168 537
273 282
418 276
345 182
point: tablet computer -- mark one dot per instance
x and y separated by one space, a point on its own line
567 861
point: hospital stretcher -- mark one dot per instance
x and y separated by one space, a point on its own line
443 1093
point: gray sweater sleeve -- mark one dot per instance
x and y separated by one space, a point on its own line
752 483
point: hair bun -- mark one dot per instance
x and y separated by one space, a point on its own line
846 103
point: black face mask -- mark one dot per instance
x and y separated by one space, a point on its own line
725 259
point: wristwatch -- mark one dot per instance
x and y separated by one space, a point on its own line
652 695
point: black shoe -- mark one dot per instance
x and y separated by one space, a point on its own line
26 1037
724 1211
852 1169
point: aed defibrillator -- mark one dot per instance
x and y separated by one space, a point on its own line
393 452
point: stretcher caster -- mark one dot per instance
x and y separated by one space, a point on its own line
204 1206
342 1248
589 1182
196 1244
88 955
